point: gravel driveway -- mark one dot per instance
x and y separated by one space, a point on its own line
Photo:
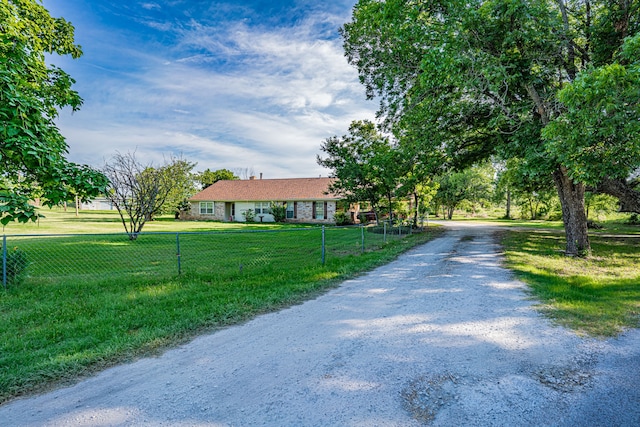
442 336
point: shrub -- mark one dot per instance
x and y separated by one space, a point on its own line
16 266
633 219
249 215
279 211
342 218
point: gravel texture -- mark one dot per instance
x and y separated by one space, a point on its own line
442 336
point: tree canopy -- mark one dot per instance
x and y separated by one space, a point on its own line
364 163
32 149
208 177
182 184
472 80
472 185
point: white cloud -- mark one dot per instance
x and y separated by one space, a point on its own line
151 6
278 95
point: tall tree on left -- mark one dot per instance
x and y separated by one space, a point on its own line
32 149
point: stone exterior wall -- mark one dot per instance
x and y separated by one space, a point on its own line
331 211
305 212
218 212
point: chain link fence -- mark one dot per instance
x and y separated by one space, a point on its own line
80 258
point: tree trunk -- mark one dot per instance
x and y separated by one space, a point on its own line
508 212
532 212
573 213
450 212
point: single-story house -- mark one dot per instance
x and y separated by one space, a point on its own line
307 200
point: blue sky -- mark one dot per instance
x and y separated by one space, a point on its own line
242 85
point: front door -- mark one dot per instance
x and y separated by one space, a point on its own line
230 211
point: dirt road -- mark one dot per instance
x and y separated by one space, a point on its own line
442 336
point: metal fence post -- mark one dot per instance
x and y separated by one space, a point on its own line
323 246
4 261
178 253
362 232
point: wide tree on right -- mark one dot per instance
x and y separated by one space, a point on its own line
551 81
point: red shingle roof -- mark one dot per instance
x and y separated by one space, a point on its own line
267 190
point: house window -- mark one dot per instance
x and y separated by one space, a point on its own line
291 210
320 210
262 208
206 208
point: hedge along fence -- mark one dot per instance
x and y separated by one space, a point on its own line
65 258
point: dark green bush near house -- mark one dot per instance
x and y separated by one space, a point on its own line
279 211
342 218
16 265
249 215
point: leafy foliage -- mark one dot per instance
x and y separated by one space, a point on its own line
16 265
342 218
471 80
364 164
181 180
472 185
600 204
32 150
634 219
279 211
530 188
249 215
598 136
208 177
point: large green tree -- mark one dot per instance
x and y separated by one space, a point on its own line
364 164
209 177
182 183
32 149
474 79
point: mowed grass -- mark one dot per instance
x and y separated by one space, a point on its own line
89 302
598 295
57 221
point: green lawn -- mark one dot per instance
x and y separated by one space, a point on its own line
91 301
598 295
57 221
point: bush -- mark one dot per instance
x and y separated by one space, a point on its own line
249 215
16 265
279 211
633 219
342 218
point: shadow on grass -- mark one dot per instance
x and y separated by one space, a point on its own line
599 296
